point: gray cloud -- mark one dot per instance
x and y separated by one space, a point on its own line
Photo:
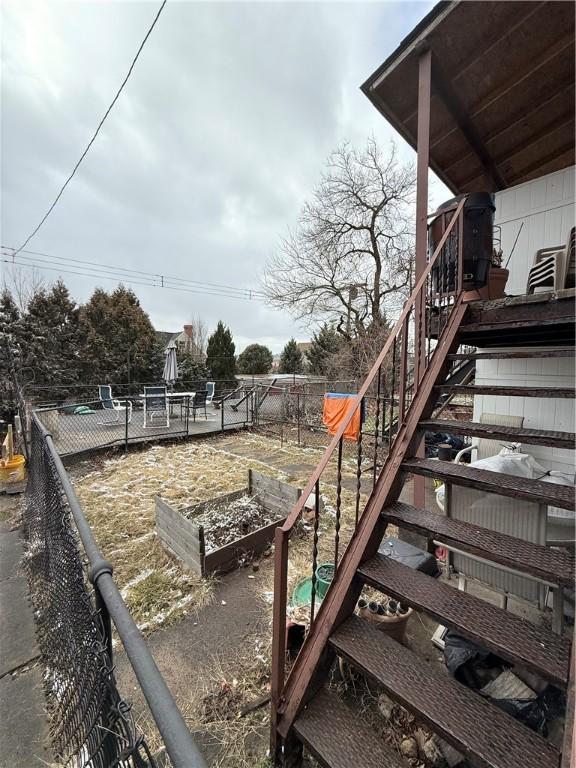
210 152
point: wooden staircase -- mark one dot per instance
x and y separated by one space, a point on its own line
304 710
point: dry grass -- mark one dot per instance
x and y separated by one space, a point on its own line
118 499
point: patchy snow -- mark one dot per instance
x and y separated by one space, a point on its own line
227 521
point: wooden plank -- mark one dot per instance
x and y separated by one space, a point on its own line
514 354
180 536
184 558
226 558
498 483
196 509
496 432
472 389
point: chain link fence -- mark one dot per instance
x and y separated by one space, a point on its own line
295 415
83 426
91 724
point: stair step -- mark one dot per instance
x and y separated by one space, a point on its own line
473 725
338 738
496 432
508 636
516 354
473 389
493 482
555 566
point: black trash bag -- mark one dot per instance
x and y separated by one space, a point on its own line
466 661
536 713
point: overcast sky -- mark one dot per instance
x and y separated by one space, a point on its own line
214 145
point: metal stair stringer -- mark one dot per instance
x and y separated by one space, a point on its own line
345 589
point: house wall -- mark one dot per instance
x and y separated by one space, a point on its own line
545 207
539 413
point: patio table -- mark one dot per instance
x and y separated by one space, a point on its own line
175 396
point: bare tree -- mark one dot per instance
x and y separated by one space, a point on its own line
349 259
23 283
199 336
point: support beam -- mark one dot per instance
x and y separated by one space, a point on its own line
424 92
453 104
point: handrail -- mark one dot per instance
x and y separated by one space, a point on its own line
444 290
180 745
408 306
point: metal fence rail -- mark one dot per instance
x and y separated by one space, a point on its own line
91 725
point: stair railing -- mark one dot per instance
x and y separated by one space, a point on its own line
322 513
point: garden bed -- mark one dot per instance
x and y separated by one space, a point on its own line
218 535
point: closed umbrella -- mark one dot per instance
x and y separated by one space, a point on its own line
170 373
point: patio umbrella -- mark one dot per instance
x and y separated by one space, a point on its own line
170 373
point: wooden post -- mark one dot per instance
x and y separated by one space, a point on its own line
424 85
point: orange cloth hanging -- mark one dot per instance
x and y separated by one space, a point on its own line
336 409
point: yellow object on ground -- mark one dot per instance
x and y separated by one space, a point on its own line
13 470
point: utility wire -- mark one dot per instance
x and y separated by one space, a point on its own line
100 124
248 296
141 274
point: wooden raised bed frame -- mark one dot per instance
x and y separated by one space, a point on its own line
185 540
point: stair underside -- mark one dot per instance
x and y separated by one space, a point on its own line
496 432
473 389
338 738
554 566
494 482
474 726
508 636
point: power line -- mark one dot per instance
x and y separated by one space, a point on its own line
141 274
131 281
100 124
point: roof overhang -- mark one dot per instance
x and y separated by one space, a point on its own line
502 104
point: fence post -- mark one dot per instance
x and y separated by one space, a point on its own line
187 398
222 414
126 409
298 415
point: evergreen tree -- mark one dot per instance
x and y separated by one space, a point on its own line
325 343
191 368
49 337
291 359
119 343
255 359
9 352
220 359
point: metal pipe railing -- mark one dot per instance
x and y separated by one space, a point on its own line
180 745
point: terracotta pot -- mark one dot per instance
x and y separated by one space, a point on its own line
494 288
395 626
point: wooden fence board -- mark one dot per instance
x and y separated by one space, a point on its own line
226 558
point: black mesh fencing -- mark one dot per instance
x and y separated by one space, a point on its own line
295 415
82 426
91 724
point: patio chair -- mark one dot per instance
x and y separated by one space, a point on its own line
156 406
198 403
210 389
116 407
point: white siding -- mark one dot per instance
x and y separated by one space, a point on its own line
546 207
539 413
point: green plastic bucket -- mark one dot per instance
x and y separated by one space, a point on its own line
324 576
